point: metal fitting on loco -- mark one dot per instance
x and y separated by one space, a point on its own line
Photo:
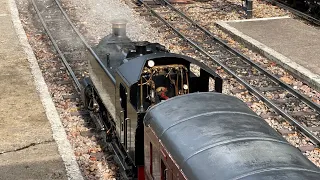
119 27
141 47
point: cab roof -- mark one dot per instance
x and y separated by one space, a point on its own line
131 70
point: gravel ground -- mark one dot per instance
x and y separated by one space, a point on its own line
93 18
231 10
94 158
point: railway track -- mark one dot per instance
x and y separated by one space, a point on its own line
72 48
296 12
65 38
295 107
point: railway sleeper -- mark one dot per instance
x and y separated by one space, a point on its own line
145 13
75 56
237 90
240 66
283 101
79 68
186 28
236 61
80 113
46 4
255 78
67 45
186 51
270 88
303 113
285 131
163 30
71 96
150 18
57 23
306 148
64 82
51 15
171 36
69 39
63 34
155 4
262 83
316 129
156 24
268 115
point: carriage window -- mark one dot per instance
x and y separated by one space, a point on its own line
211 84
150 159
155 164
195 69
164 171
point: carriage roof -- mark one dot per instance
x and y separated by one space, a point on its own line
215 136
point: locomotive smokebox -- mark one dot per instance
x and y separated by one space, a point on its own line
119 27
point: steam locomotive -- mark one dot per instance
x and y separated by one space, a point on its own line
163 120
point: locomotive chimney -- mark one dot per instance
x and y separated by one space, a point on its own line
119 27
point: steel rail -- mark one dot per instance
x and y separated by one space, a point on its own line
253 90
113 145
296 12
70 71
66 64
85 42
302 97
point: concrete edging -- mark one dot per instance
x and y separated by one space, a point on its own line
301 72
59 134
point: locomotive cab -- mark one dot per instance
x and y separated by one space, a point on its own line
157 77
143 81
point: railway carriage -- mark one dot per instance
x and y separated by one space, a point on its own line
217 137
164 122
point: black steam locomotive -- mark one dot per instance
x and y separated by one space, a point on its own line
163 120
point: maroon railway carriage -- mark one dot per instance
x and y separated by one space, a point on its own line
202 136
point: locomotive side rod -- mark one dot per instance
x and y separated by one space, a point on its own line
304 130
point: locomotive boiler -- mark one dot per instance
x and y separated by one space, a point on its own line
166 118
